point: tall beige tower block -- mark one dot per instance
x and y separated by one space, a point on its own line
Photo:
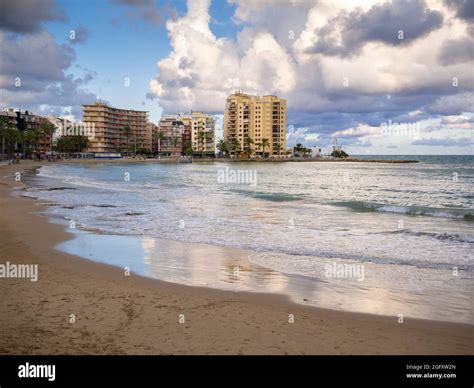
255 117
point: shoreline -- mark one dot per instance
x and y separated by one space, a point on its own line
137 315
176 160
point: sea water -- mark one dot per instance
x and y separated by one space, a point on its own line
408 228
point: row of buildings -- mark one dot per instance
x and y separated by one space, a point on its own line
118 129
253 126
26 121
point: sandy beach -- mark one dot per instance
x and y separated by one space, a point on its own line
117 314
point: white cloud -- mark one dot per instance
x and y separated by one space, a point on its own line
462 124
408 81
34 75
202 69
360 130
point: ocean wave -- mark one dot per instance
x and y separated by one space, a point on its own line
449 237
273 197
462 214
78 181
83 205
273 260
41 188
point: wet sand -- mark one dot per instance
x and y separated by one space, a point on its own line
117 314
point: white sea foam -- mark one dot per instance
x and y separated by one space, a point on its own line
409 226
348 219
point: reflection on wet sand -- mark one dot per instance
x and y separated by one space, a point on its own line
224 268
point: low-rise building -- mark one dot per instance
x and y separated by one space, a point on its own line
172 129
197 134
203 133
27 122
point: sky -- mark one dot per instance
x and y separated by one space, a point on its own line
380 76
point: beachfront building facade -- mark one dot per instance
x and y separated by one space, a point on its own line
9 115
68 128
171 129
203 128
196 133
116 130
40 141
152 133
255 125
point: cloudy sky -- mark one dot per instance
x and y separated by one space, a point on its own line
383 77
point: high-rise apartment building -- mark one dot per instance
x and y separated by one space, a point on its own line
255 123
109 128
196 132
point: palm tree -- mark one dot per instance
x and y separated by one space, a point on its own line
201 136
82 143
159 137
235 146
127 131
248 147
187 148
222 147
265 143
278 148
31 138
176 141
64 144
298 148
209 137
47 130
11 137
6 127
154 138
